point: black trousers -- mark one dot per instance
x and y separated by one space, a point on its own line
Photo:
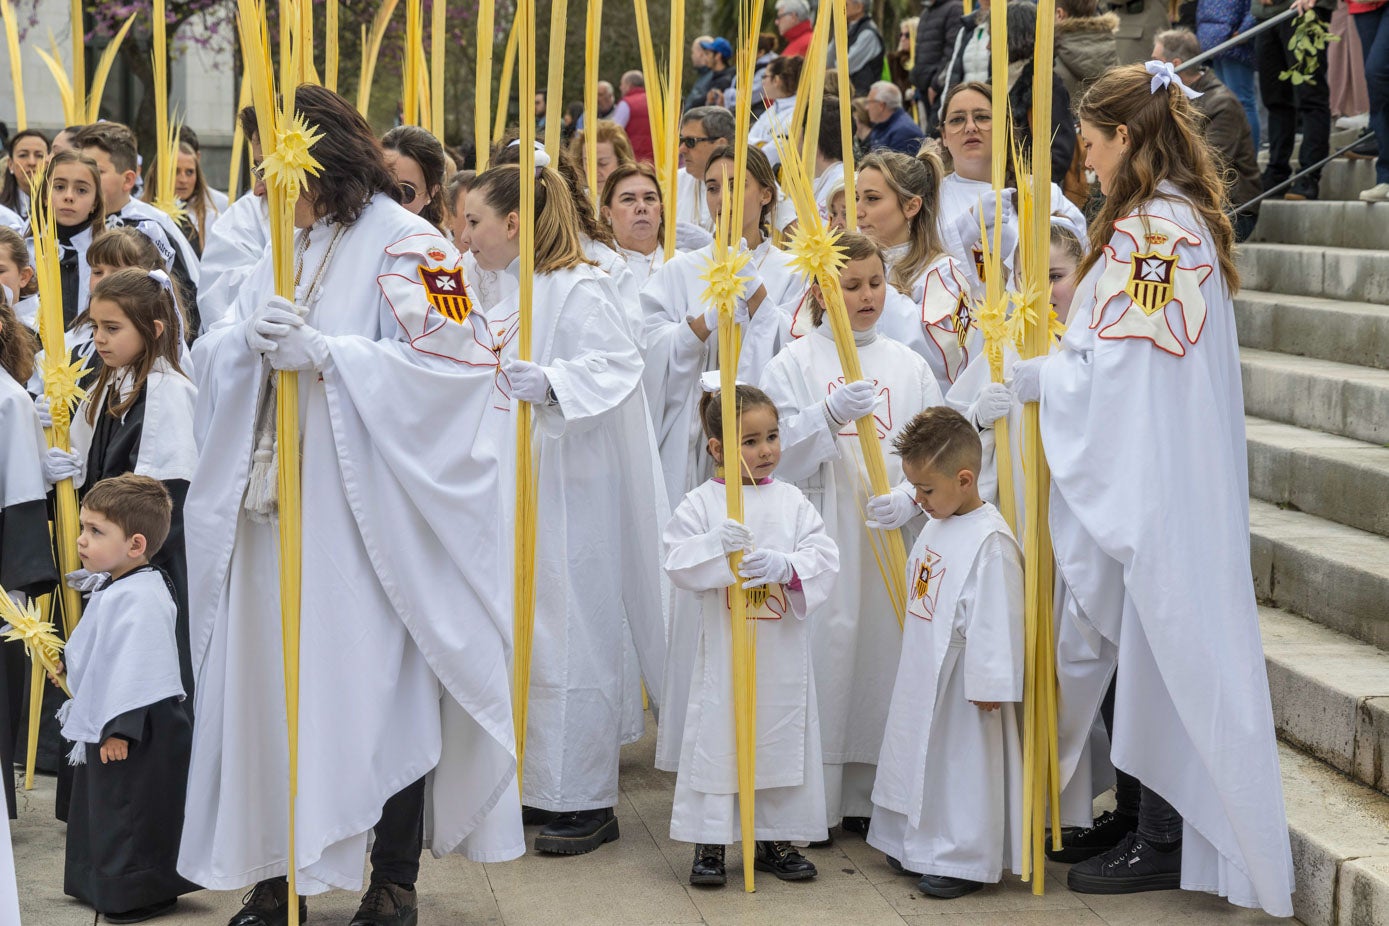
1158 821
1308 103
395 856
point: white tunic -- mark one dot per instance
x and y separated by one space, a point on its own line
675 356
774 123
233 248
601 504
698 736
948 798
1142 417
691 204
406 615
856 637
21 453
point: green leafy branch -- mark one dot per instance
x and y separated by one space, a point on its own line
1309 40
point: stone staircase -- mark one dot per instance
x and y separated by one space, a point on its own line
1313 320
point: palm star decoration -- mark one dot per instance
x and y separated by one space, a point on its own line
289 165
61 380
722 273
26 625
815 251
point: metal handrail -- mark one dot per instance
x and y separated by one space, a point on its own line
1304 172
1236 40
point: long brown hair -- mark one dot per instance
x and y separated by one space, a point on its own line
354 169
557 244
10 188
17 345
118 248
1165 143
910 177
856 247
17 251
98 216
143 300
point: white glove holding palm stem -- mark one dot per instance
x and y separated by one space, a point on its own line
766 567
255 339
993 403
852 401
528 381
1027 380
735 536
891 511
295 345
59 465
45 411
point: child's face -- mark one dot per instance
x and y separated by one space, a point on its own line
839 220
761 443
865 290
13 276
98 272
492 237
117 339
1062 274
716 176
940 494
880 214
186 175
72 194
104 547
116 184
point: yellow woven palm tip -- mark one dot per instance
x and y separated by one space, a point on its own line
288 166
815 251
60 384
725 284
27 626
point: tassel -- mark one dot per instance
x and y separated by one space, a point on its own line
262 490
78 754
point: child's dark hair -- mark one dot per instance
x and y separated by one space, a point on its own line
14 248
17 345
711 407
940 439
123 247
144 301
136 504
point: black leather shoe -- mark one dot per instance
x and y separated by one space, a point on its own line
855 825
901 869
577 833
1131 867
782 860
1304 190
267 904
1108 830
140 914
534 816
708 868
944 888
388 905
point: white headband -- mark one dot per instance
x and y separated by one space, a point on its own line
1165 75
542 157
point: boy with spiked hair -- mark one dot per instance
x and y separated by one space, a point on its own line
949 786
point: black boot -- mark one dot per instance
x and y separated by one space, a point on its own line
140 914
1131 867
578 832
1108 831
708 868
945 888
857 825
782 860
388 905
534 816
267 904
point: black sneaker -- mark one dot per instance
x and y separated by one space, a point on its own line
782 860
1304 190
577 833
534 816
944 888
267 904
1108 831
708 868
388 905
897 866
857 825
1131 867
1367 149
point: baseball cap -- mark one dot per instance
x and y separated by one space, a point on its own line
720 46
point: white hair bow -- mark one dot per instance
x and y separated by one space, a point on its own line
542 157
1165 75
162 278
709 381
8 294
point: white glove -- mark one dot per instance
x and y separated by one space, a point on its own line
528 381
45 411
59 465
766 567
891 511
690 237
735 536
255 338
967 225
752 282
84 581
1027 380
20 600
295 344
993 403
851 401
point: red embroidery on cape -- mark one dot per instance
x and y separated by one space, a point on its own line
764 602
924 590
1149 282
882 412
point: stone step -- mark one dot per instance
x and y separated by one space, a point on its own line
1339 831
1329 223
1330 695
1309 326
1344 179
1332 477
1332 574
1335 272
1339 398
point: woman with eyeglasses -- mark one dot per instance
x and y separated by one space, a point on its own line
417 160
681 328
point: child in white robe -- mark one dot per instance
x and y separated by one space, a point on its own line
856 638
949 790
789 570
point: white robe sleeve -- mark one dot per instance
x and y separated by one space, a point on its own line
806 438
993 657
695 560
816 561
595 366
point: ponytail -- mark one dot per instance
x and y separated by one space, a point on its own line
746 397
909 178
557 242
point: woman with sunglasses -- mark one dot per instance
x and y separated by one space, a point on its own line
417 160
